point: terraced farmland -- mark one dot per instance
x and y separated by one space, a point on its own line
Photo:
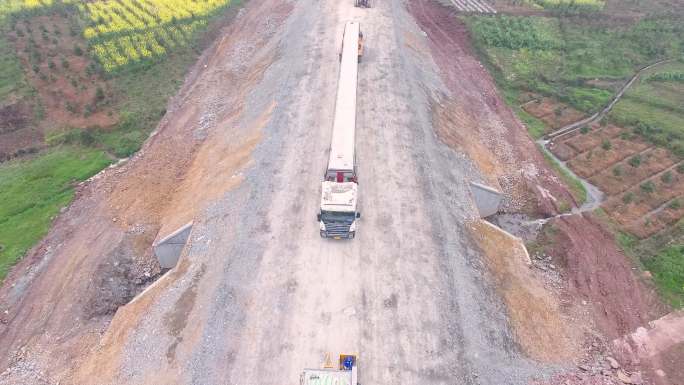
643 182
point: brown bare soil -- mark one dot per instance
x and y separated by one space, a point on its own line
13 117
562 151
448 116
542 326
583 142
17 136
574 143
656 221
66 89
478 122
98 254
597 158
598 272
653 161
552 112
643 202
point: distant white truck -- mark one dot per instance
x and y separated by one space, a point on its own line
346 374
339 190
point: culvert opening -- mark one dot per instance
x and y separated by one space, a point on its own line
124 272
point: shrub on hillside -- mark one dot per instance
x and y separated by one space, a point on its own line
606 145
617 170
647 187
99 94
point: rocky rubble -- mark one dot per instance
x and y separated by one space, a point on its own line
596 369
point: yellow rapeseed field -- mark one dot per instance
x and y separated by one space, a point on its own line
123 32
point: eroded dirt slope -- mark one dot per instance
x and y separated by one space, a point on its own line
60 298
475 119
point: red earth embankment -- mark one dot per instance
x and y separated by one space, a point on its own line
475 119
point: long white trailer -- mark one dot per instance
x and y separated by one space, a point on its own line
341 163
337 218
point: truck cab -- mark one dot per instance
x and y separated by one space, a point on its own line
339 214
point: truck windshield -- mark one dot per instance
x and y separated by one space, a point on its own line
335 216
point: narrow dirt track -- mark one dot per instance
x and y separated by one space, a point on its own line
258 295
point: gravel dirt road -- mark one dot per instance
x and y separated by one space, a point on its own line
264 296
258 295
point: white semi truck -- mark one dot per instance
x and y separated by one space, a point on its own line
339 191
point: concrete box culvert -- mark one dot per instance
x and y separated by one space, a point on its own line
487 199
169 248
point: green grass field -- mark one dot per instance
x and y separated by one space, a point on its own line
33 191
667 269
654 106
560 56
